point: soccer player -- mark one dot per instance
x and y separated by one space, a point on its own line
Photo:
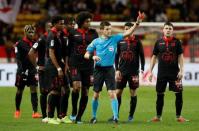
40 48
105 47
129 54
54 68
26 72
81 69
168 51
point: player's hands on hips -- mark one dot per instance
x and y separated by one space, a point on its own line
96 58
118 76
180 75
140 17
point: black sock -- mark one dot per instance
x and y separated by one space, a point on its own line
43 104
64 103
119 98
133 104
178 103
18 98
159 104
34 101
51 105
75 97
82 107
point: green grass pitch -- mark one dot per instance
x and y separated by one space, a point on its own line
145 110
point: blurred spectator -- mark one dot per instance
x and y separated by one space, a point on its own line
193 45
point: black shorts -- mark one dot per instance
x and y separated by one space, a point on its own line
85 76
53 82
101 75
133 81
23 80
175 85
42 81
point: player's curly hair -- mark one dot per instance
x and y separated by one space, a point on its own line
29 28
81 17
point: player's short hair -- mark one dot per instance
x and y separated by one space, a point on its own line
168 23
104 23
29 28
56 20
129 24
81 17
69 20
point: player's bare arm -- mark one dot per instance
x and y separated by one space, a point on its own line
152 64
181 66
55 63
136 24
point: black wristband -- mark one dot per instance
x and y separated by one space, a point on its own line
90 57
137 23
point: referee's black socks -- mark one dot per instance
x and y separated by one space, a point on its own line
133 104
75 97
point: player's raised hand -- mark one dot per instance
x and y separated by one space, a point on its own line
141 16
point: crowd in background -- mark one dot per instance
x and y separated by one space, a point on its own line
123 10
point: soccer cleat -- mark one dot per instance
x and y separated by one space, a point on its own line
155 119
36 115
72 118
66 120
17 114
45 120
115 121
181 119
53 121
93 120
130 119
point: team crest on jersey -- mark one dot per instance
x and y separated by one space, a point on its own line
35 45
111 48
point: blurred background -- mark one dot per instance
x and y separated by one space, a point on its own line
39 11
15 14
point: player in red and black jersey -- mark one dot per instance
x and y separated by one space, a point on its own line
54 67
26 72
129 54
169 53
39 48
81 69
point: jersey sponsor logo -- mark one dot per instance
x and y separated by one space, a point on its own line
35 45
168 57
162 43
111 48
52 43
127 55
77 35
